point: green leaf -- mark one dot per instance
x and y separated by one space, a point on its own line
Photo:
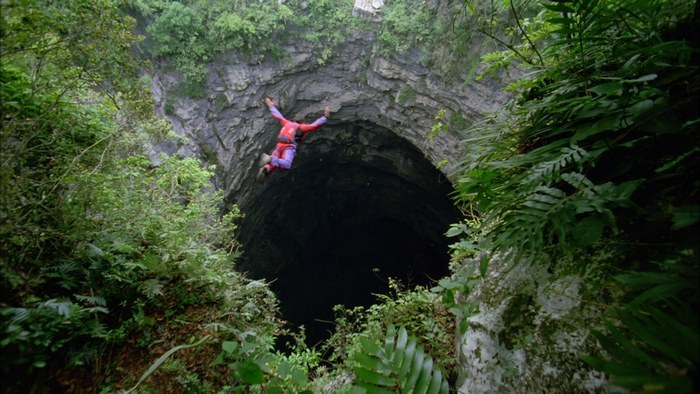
39 364
417 368
642 328
685 215
401 342
229 346
410 369
673 163
284 369
659 292
611 122
483 265
463 326
249 372
435 383
425 375
450 284
369 346
646 78
409 354
218 360
372 363
614 368
162 359
370 376
608 88
641 107
588 231
454 231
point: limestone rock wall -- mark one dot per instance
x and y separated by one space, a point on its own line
530 330
231 125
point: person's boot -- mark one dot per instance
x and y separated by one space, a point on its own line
262 174
264 159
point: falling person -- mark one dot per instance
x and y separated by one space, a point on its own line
289 137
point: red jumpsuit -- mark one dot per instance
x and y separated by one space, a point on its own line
291 134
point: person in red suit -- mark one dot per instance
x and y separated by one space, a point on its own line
289 137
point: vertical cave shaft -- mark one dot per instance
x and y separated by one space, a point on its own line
359 206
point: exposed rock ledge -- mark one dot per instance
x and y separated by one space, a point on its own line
231 126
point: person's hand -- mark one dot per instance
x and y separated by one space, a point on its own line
327 112
269 102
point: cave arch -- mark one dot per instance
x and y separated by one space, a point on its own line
360 205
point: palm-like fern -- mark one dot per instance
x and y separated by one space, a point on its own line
602 144
401 366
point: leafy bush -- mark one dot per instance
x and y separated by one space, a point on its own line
595 153
95 235
418 310
405 25
192 33
325 24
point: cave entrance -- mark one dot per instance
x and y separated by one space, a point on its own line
359 206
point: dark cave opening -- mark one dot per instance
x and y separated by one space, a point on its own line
359 206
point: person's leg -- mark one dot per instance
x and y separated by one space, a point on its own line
274 158
284 160
266 165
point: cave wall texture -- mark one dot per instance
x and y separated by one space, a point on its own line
364 200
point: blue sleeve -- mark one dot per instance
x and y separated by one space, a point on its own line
278 115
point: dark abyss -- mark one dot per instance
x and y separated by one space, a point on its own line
359 205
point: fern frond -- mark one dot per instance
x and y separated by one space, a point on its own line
546 172
548 215
151 287
401 366
94 300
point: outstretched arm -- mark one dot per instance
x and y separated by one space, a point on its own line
317 123
275 112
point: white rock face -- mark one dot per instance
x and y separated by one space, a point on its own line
369 9
529 333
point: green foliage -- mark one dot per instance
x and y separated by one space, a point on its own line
254 365
454 292
401 366
405 95
655 344
325 24
162 359
419 310
547 157
597 152
33 332
405 25
193 33
465 246
655 351
95 235
442 34
654 347
440 125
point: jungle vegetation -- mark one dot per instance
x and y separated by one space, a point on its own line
110 257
